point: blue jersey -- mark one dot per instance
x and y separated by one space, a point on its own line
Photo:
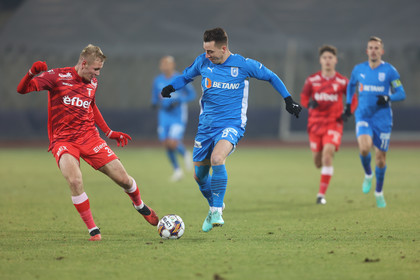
225 87
174 109
382 80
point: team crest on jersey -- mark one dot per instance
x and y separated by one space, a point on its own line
335 87
234 71
381 76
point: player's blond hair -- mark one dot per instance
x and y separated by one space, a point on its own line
376 39
91 53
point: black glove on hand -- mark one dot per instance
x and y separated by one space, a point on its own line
313 104
382 99
166 91
347 113
292 107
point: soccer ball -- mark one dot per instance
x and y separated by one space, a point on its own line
171 227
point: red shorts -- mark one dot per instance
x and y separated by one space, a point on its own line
319 135
95 152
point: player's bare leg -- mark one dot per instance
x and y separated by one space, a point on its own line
116 171
365 145
380 159
70 169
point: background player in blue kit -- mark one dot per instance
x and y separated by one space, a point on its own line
223 117
378 84
172 116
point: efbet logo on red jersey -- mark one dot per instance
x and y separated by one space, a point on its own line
209 84
76 101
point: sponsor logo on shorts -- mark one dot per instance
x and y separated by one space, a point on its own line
197 144
76 101
100 147
61 150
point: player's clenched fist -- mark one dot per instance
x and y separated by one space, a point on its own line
38 67
292 107
122 138
166 91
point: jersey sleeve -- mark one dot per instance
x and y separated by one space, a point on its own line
189 93
46 81
259 71
351 87
306 93
188 75
398 92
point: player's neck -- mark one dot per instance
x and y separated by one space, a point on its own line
328 73
374 64
226 56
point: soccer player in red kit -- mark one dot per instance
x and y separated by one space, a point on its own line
323 95
72 115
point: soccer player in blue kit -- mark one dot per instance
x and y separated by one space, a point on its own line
172 116
378 84
223 117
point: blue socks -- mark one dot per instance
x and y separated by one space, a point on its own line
366 164
380 175
204 179
172 158
212 187
180 149
218 184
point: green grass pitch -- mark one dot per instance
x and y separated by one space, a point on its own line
273 228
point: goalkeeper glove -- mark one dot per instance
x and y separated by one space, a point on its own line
166 91
347 113
382 99
121 138
292 107
313 104
38 67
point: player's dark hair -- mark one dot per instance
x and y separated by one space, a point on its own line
328 48
218 35
376 39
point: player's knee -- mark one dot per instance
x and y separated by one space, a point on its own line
75 182
217 159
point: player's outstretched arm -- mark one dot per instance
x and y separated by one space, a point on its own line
178 83
120 137
27 84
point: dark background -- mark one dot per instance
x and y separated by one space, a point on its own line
283 35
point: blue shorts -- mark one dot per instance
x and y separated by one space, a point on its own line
171 131
207 138
378 130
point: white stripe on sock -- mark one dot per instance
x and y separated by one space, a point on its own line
79 199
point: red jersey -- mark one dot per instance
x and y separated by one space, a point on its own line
328 93
70 105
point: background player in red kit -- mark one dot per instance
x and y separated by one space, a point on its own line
323 95
72 115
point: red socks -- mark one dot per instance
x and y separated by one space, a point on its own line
134 194
82 205
326 174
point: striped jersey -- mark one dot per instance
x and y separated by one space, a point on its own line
70 100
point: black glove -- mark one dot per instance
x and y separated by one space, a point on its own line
347 113
382 99
313 104
166 91
292 107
